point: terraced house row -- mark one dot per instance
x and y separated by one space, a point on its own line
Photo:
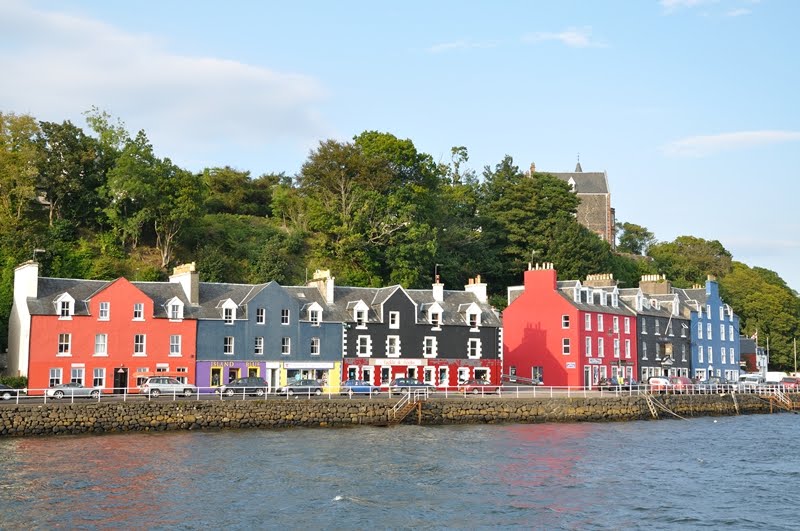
115 334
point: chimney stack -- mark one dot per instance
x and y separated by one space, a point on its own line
186 275
478 288
324 282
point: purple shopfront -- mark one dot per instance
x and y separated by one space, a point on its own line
210 374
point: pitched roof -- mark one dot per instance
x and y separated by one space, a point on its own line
593 182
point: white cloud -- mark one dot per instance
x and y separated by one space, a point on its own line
460 45
56 65
573 37
699 146
737 12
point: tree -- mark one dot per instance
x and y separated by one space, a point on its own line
178 199
68 175
688 260
18 165
634 239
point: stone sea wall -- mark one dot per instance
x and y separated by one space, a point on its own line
116 417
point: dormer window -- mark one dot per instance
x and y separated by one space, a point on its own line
360 317
227 315
473 320
175 309
65 306
436 319
614 300
314 313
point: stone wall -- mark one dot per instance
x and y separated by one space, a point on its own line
114 417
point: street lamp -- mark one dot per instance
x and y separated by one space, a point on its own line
436 272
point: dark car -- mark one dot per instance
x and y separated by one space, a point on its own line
478 387
626 384
404 385
714 384
249 385
300 387
359 387
7 392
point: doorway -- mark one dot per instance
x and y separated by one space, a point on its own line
120 380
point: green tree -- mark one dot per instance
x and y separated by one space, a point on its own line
688 260
18 165
68 175
634 239
178 198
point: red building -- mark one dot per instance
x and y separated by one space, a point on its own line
567 333
106 334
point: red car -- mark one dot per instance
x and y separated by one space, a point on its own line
790 382
478 387
681 384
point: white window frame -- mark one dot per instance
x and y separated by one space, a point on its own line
286 346
588 347
261 316
709 331
722 332
436 320
228 345
627 325
64 345
565 321
258 346
723 355
138 311
600 326
313 316
315 346
175 346
175 311
565 346
104 312
628 349
363 346
710 355
101 345
587 322
700 354
474 320
77 375
730 333
699 330
615 324
601 347
140 347
56 375
616 348
429 347
394 320
393 342
474 348
286 317
644 351
99 377
227 315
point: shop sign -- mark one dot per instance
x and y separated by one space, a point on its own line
570 365
595 361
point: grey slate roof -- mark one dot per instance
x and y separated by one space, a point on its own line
49 289
213 293
593 182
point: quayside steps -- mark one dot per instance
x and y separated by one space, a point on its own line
410 402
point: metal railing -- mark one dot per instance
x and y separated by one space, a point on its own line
87 395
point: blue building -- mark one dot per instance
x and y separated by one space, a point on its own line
714 332
264 330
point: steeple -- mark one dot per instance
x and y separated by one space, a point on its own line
578 168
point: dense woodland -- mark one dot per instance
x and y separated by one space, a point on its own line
100 203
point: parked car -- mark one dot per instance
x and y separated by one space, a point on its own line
359 387
7 392
300 387
72 390
478 387
248 385
681 384
714 384
750 382
790 382
659 384
164 385
404 385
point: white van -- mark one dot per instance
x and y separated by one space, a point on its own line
748 382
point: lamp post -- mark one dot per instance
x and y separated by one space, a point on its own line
436 273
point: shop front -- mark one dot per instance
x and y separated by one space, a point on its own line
212 374
442 373
326 372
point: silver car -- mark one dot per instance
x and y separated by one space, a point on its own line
72 390
164 385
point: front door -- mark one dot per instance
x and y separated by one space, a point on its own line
120 380
233 373
587 376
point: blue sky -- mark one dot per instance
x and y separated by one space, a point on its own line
689 105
